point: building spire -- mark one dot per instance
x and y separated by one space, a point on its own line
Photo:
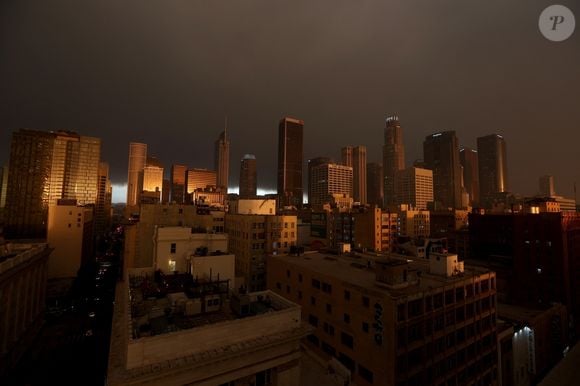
225 128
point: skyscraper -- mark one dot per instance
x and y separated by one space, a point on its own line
492 166
200 179
359 174
104 196
3 185
248 177
290 136
327 179
46 167
222 159
346 155
414 187
311 164
469 160
546 184
393 157
375 184
137 160
177 182
441 154
153 179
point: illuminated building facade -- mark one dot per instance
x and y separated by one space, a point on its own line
328 179
137 161
153 179
414 187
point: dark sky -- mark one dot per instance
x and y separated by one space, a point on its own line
167 72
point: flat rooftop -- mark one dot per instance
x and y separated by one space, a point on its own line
12 254
359 270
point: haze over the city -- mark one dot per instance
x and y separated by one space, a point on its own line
168 73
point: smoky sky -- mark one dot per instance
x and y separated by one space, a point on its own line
167 73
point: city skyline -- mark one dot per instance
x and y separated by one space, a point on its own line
187 104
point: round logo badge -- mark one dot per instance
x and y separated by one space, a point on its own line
557 23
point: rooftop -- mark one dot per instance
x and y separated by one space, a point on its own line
13 254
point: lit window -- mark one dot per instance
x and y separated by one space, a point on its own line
172 266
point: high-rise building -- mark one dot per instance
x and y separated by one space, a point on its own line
153 179
104 197
414 186
359 174
177 181
200 179
492 166
222 160
395 321
311 164
248 177
413 222
290 136
441 154
393 158
137 160
3 185
166 191
346 154
328 179
375 184
46 167
469 160
547 186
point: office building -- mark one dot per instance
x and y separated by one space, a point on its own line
103 210
359 174
153 180
441 154
375 184
413 222
23 271
491 150
374 229
261 206
222 160
200 179
137 161
311 164
546 184
70 233
414 187
326 180
394 321
3 185
45 167
211 336
248 177
290 159
346 154
252 237
177 181
393 158
469 160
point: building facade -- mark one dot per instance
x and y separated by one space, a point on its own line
414 187
375 184
469 160
137 161
290 161
103 209
222 161
200 179
177 182
328 179
441 155
492 153
153 179
248 177
393 158
359 174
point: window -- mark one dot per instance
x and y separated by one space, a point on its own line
346 295
313 320
278 285
365 373
346 318
366 301
346 340
313 339
365 327
312 300
328 349
287 289
326 288
328 328
300 277
172 248
288 273
328 309
172 267
300 295
315 283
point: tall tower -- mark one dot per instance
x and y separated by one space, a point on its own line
375 184
103 205
469 160
441 155
45 167
153 180
327 179
290 136
222 159
492 166
359 174
415 187
137 160
393 157
346 155
177 183
547 186
248 177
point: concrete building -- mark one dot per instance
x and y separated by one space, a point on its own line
413 222
70 234
346 156
374 229
23 273
208 338
375 184
328 179
414 187
441 155
153 179
546 184
138 250
137 161
385 326
3 185
259 206
46 167
177 181
393 158
200 179
493 176
290 161
103 209
469 160
222 161
248 177
448 224
213 197
359 174
252 238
